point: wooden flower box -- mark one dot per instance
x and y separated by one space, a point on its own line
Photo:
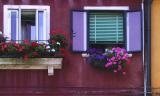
32 63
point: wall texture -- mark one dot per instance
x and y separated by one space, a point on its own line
75 75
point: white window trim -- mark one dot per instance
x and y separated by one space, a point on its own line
85 30
113 8
106 8
19 7
39 7
127 29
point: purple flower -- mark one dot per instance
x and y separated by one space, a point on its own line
111 59
100 57
92 51
119 67
99 51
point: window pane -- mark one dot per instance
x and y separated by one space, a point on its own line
106 28
40 25
13 25
33 33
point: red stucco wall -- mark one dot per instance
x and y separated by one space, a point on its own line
75 72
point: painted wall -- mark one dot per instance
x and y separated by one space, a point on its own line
155 45
75 75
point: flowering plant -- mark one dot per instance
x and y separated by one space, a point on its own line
57 40
114 59
34 49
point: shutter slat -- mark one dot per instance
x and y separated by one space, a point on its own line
105 27
104 24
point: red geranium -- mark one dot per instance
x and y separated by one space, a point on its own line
26 42
34 44
21 48
26 49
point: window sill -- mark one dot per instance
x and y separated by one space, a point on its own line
32 63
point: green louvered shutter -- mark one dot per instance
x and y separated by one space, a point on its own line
106 28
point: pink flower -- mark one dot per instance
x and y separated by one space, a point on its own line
115 71
124 57
113 58
126 54
124 73
108 64
118 53
119 67
113 49
114 62
118 49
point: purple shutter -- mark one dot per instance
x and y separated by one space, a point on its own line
79 28
134 31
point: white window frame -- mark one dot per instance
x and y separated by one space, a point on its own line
106 8
9 21
43 8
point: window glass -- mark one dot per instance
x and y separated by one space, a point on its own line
13 25
40 26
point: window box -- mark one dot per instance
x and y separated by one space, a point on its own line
33 55
32 63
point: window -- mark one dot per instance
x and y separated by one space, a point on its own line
26 22
93 27
106 28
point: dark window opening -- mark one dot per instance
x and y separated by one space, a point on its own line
28 25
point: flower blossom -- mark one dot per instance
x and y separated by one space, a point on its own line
53 50
58 43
